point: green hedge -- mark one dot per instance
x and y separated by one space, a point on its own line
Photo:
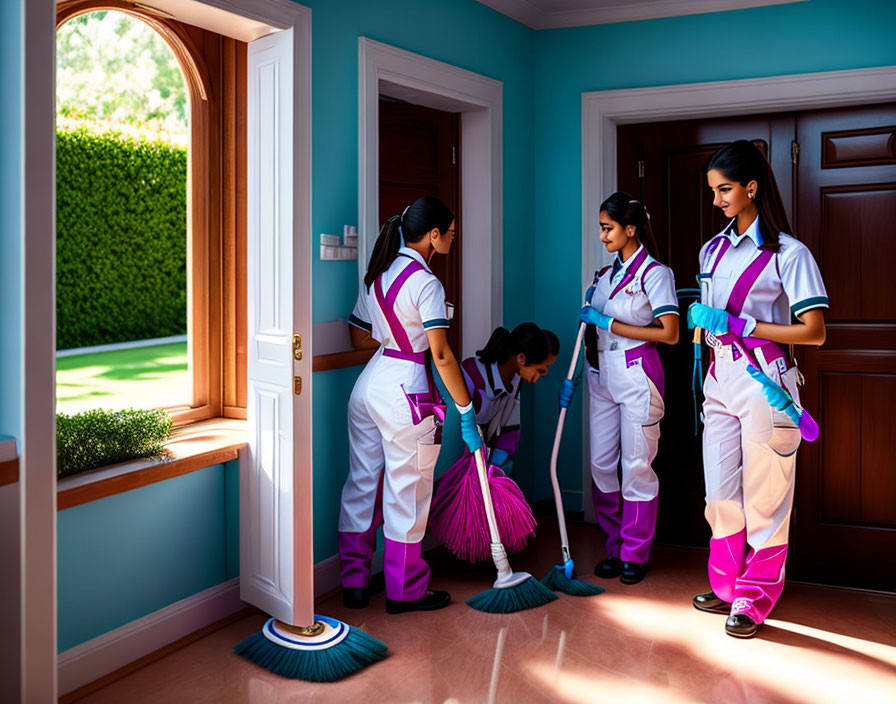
99 438
121 247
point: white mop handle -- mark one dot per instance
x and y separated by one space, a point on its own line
558 497
499 554
486 496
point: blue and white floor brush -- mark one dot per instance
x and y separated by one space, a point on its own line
512 591
560 578
327 651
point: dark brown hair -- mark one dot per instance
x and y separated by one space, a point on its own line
742 161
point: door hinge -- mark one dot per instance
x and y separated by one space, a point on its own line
297 346
297 385
795 151
454 156
640 168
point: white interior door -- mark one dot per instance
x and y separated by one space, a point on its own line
276 557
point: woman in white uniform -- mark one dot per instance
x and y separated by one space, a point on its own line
494 379
393 413
761 291
634 307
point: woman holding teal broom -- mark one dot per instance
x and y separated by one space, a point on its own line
633 305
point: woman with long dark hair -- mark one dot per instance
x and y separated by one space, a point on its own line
632 305
495 376
393 413
761 291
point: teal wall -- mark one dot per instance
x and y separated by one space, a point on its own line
819 35
11 227
460 32
127 555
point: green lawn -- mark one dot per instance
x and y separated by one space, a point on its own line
145 377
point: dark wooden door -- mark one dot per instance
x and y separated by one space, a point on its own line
845 514
664 165
419 156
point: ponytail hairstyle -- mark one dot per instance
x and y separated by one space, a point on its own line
527 338
742 161
420 217
625 210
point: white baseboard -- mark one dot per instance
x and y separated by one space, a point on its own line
106 653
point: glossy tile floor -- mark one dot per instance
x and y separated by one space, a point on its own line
641 643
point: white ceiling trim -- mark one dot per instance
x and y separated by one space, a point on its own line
533 13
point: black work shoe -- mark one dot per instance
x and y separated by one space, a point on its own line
633 572
356 597
608 568
377 583
741 626
430 601
711 604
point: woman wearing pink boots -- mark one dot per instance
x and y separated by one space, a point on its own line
756 279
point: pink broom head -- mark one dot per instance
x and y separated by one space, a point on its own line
457 514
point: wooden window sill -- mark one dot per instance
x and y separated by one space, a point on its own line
340 360
192 447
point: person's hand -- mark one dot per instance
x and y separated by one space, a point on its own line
498 457
469 431
592 316
776 396
567 390
719 322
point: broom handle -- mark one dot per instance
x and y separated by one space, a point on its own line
558 497
499 554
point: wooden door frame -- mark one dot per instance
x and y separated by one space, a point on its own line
242 19
602 111
434 84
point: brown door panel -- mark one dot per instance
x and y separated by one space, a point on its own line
419 155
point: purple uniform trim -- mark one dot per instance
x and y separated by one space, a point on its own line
387 304
650 363
746 281
630 272
418 357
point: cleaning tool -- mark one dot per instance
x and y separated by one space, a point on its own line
512 591
560 577
457 514
326 651
774 393
697 371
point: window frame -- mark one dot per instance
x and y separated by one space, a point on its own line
214 69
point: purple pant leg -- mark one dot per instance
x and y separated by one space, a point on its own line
407 574
757 590
608 507
638 527
726 563
356 549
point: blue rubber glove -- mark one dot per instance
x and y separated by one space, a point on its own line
498 457
567 390
469 431
592 316
719 322
775 395
589 294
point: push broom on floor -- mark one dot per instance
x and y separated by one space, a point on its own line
512 591
560 577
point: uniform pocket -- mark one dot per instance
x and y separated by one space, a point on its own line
427 448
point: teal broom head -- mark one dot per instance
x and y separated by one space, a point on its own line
332 651
528 594
557 580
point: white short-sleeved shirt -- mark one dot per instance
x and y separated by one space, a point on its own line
494 402
637 292
790 284
420 305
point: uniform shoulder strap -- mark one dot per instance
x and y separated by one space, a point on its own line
472 370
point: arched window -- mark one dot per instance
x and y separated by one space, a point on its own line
212 257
